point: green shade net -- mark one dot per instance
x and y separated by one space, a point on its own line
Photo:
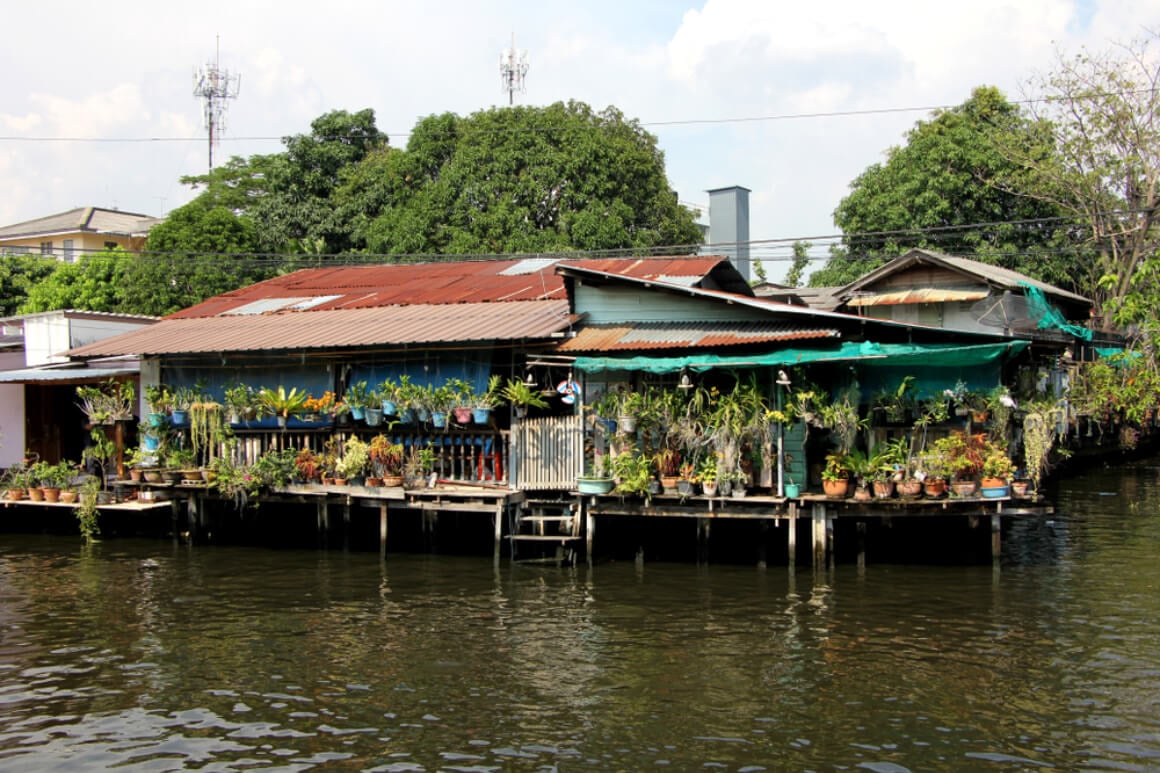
1049 316
902 355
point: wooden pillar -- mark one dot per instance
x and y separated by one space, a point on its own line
833 554
499 513
382 531
791 536
589 528
346 525
762 536
323 517
175 521
819 533
996 536
861 544
703 540
191 518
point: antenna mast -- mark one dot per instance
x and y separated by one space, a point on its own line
513 69
215 85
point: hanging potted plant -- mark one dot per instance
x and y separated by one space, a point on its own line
387 390
357 395
160 401
440 399
462 395
486 402
522 397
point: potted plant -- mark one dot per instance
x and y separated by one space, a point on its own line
440 399
836 476
707 475
352 464
522 397
668 464
790 487
462 394
282 404
386 458
486 402
633 471
160 401
418 466
996 471
308 464
357 396
54 478
241 402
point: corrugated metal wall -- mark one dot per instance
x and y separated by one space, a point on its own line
548 453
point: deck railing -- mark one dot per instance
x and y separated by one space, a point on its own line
462 454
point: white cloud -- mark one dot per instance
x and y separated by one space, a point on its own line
123 69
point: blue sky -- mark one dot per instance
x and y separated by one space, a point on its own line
118 71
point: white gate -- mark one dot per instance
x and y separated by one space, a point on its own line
548 453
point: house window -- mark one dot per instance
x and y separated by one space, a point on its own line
69 253
46 248
15 251
930 314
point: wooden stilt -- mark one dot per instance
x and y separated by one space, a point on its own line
819 534
383 531
703 540
323 517
346 525
791 535
499 514
861 544
589 529
831 552
762 536
191 518
996 536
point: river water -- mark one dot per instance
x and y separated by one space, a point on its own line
144 656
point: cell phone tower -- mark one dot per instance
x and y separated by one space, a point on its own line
215 85
513 69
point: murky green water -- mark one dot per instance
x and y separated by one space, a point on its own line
142 656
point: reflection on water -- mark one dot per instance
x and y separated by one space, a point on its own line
143 656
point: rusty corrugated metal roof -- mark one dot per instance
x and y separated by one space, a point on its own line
341 328
676 335
478 281
917 295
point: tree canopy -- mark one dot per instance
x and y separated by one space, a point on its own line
939 189
1103 112
525 179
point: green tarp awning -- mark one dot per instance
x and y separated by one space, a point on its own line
930 355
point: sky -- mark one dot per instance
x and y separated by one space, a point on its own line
97 104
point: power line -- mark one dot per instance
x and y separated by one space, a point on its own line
525 130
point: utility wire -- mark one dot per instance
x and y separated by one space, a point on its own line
526 130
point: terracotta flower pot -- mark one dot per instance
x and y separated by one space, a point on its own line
883 489
836 489
934 487
909 489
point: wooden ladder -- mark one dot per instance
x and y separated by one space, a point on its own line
540 524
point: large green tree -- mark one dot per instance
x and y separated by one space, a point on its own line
18 275
93 283
938 190
1103 111
525 179
198 252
